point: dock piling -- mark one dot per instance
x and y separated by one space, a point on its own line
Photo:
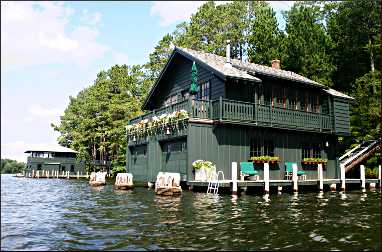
321 177
234 178
362 173
294 177
266 177
343 182
279 189
379 175
78 174
333 187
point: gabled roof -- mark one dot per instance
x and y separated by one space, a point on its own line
239 70
51 148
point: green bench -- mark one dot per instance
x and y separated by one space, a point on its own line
289 171
247 169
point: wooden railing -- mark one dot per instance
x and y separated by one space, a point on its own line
249 113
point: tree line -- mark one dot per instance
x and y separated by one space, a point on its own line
337 44
11 166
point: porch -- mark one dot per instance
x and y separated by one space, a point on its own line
244 113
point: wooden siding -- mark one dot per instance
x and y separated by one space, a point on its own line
178 78
226 144
341 116
54 164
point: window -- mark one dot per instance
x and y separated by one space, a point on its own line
185 94
176 146
204 91
71 168
269 149
63 168
255 147
39 166
261 149
311 150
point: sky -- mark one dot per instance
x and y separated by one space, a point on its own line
53 50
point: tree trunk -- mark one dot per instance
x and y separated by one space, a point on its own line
371 56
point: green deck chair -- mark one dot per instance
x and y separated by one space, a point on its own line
289 170
246 168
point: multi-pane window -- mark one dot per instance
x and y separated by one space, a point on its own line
71 168
269 148
311 150
177 146
204 91
255 147
258 148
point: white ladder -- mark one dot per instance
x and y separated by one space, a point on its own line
213 184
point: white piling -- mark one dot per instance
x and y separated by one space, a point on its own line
47 174
33 173
57 174
68 174
343 179
87 175
372 185
78 174
362 173
379 175
333 187
279 189
234 177
294 177
266 177
321 177
38 174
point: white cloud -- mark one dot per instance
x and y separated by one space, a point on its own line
37 33
37 112
173 12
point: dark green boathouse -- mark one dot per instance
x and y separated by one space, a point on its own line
241 110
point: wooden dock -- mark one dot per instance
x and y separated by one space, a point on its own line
55 175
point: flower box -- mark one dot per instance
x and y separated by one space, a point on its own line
309 161
264 159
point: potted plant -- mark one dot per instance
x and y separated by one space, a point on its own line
265 159
203 169
314 161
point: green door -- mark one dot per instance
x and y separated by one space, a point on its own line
174 157
139 162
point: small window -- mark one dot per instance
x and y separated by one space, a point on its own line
63 168
255 147
39 166
71 168
204 91
311 150
269 148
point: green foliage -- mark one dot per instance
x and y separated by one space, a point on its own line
118 169
12 166
371 173
265 158
199 164
318 160
94 121
307 44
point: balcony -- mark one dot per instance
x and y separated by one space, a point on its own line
244 113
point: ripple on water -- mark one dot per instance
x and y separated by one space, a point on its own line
54 214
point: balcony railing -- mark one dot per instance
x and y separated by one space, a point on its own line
230 111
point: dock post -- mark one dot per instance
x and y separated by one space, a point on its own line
343 179
279 189
68 173
379 175
234 178
47 174
266 177
57 174
33 174
333 187
78 174
38 174
321 177
87 176
362 173
294 177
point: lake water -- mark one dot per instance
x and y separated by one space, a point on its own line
58 214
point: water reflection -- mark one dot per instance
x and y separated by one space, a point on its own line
74 216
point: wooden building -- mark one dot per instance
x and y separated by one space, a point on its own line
241 110
54 158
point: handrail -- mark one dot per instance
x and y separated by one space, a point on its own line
358 154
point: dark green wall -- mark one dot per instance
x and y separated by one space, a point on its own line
178 77
341 116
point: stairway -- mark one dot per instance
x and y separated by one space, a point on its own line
359 154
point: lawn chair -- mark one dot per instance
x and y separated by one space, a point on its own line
247 169
289 171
